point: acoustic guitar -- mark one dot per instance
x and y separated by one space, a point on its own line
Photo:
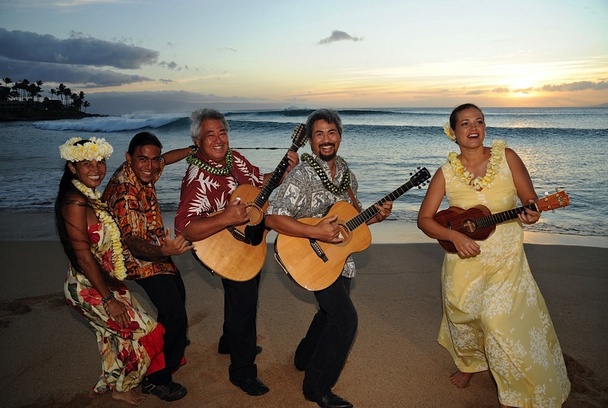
478 222
315 265
238 253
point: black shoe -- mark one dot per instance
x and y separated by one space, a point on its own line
167 392
329 400
222 350
252 386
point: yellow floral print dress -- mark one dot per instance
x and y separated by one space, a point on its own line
127 353
494 316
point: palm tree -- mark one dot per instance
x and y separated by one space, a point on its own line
61 91
67 92
86 104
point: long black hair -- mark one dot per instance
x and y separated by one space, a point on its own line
66 187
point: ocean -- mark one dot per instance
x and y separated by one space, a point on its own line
563 148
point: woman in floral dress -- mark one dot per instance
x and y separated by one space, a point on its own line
129 340
494 316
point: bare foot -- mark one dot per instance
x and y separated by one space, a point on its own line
460 379
130 397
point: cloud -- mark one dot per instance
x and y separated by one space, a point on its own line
78 49
78 60
338 35
69 74
565 87
169 65
577 86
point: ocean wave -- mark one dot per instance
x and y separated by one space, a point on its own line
112 123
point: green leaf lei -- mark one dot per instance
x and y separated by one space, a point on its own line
217 171
344 184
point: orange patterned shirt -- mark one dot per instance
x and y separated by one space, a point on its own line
135 208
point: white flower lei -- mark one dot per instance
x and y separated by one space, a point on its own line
101 210
479 183
92 149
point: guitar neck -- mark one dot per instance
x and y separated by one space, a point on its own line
275 179
500 217
371 212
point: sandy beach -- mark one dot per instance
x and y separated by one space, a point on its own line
50 359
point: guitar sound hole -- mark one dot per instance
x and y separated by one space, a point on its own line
345 234
255 215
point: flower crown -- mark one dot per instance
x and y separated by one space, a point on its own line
448 131
92 149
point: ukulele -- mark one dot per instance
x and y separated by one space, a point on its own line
478 222
238 253
315 265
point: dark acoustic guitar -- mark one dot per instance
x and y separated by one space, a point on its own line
479 223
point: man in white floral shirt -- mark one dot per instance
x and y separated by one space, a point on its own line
310 190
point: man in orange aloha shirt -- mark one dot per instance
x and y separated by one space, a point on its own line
131 196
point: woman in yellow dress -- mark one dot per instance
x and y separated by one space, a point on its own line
494 316
129 340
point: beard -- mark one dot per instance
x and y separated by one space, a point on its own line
327 157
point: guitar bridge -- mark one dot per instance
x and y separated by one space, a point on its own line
238 235
317 248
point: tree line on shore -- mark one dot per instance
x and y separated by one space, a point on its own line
25 96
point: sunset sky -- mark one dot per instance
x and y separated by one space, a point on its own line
130 55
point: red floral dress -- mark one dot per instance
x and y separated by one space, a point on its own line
127 353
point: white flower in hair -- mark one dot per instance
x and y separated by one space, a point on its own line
447 129
92 149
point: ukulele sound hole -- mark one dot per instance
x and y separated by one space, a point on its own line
469 226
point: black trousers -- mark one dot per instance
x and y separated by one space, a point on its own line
323 352
168 294
239 329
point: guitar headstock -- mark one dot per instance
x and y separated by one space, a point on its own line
553 201
420 177
299 135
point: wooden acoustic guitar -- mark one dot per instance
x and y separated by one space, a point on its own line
238 253
478 222
315 265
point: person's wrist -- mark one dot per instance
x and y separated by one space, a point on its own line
106 299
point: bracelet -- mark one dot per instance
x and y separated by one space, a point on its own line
107 298
193 148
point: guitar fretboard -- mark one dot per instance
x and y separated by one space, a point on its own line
274 180
371 212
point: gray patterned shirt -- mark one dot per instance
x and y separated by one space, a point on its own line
302 195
